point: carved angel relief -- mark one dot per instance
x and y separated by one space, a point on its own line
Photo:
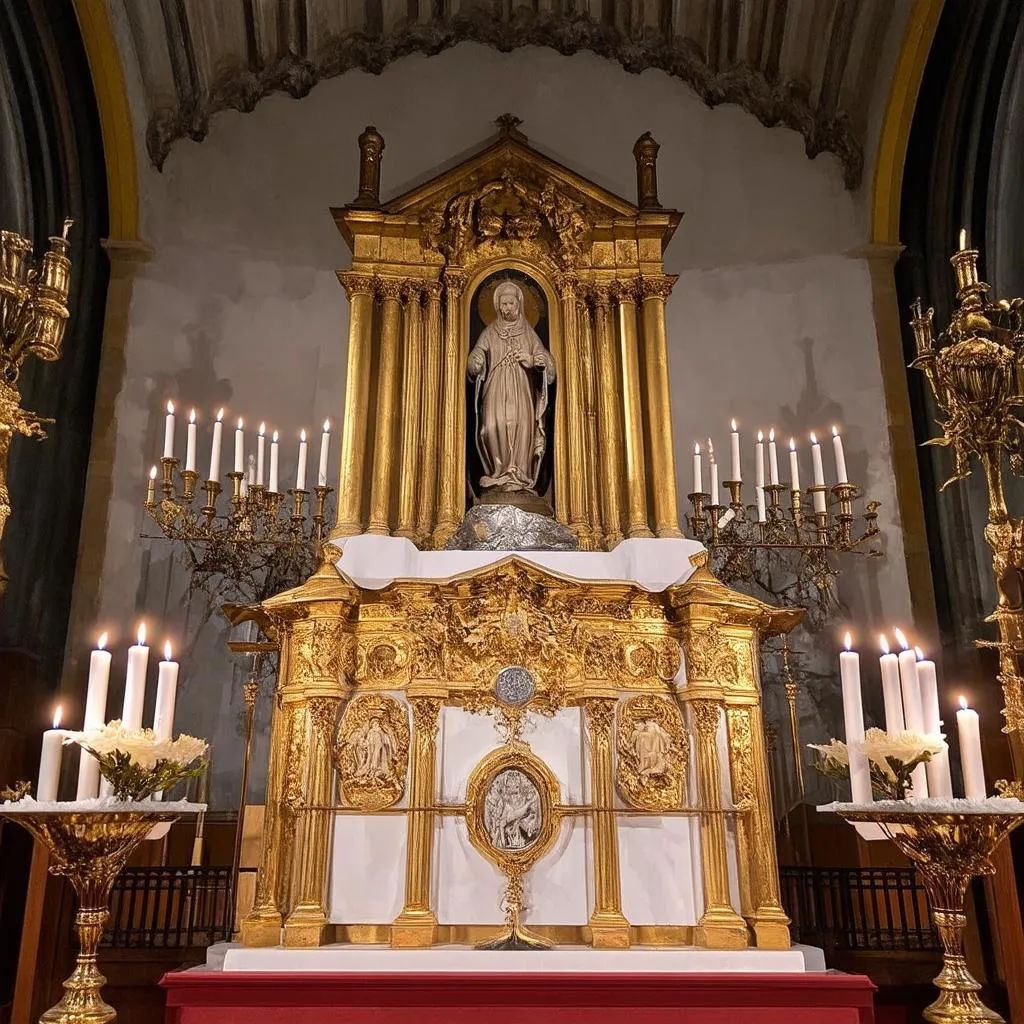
371 752
653 762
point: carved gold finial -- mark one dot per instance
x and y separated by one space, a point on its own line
371 148
508 125
645 152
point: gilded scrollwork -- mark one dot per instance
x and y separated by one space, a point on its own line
381 660
371 752
706 716
741 757
710 656
653 761
317 650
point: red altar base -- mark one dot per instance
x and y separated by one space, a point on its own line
218 997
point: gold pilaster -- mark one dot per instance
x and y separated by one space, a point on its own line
610 437
608 925
657 404
431 411
390 290
357 404
416 926
586 328
624 293
453 418
412 359
720 927
571 375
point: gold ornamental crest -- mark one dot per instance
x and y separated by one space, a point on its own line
653 762
371 752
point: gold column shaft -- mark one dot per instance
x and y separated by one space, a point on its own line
431 411
609 927
357 404
624 293
387 386
610 441
590 422
453 413
412 360
658 406
571 375
416 926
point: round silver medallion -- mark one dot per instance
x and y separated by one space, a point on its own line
514 685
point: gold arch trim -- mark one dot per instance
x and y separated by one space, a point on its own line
115 118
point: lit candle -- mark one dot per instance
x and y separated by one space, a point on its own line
937 769
968 728
260 443
759 460
853 716
818 472
190 444
300 469
890 666
240 446
837 445
773 459
151 487
794 467
325 445
737 474
218 429
135 682
95 716
963 239
169 432
166 695
273 462
698 469
913 715
49 761
714 472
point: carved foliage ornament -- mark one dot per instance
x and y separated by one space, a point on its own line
710 657
371 752
653 762
317 651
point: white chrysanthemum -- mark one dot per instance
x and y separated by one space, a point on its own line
834 750
141 745
904 747
184 750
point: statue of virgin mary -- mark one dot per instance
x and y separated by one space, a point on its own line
510 407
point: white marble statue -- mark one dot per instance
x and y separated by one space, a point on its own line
512 814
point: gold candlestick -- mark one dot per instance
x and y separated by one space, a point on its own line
190 478
167 467
211 489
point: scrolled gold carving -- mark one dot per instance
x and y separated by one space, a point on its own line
371 752
706 716
710 656
600 713
657 657
355 283
390 287
654 755
425 712
381 660
741 758
317 648
657 287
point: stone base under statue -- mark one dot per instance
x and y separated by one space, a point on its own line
494 526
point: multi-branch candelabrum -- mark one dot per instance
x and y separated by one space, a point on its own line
975 372
33 316
262 542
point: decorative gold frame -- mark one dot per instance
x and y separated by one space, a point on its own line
658 793
384 792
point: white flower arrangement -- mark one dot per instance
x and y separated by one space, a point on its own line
137 763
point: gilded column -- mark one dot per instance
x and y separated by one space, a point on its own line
453 413
720 927
357 404
412 360
571 377
624 293
737 722
590 422
390 290
416 926
610 434
431 411
304 926
608 925
657 405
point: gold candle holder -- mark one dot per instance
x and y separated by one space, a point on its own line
299 497
965 269
774 492
796 505
236 487
190 478
735 495
844 494
167 468
151 492
697 520
948 850
211 489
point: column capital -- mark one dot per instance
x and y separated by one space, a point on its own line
706 716
390 288
425 711
433 290
600 295
454 281
657 287
624 290
355 283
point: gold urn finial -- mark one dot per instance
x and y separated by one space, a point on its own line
371 149
645 152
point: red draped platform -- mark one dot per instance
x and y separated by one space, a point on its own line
219 997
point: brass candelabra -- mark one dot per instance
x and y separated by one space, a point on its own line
975 373
257 544
33 316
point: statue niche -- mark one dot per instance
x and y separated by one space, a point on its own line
511 378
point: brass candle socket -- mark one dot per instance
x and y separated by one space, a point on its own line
211 489
236 487
167 468
796 503
299 497
190 478
735 495
698 521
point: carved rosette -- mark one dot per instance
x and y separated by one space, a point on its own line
381 660
371 752
653 763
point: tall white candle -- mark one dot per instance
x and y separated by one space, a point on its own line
240 446
698 469
969 729
735 469
762 511
818 472
261 441
759 460
937 769
273 463
218 434
190 443
837 445
963 239
300 469
853 716
891 695
95 716
714 473
794 467
135 682
166 695
773 459
913 715
169 432
325 446
49 761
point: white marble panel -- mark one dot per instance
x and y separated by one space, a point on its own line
660 869
367 884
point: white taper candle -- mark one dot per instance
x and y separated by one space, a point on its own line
300 469
169 432
135 682
190 443
940 783
891 695
48 782
325 447
969 729
261 441
735 468
218 435
273 463
837 445
698 469
773 459
95 716
913 717
853 717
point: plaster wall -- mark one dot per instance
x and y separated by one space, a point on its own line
770 321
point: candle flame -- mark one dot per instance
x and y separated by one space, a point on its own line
963 239
141 635
152 473
274 438
263 429
711 450
101 644
327 426
302 436
771 434
170 407
56 716
734 426
760 436
167 650
220 415
241 424
848 641
901 639
192 416
792 445
814 440
835 430
884 643
963 703
919 653
696 447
